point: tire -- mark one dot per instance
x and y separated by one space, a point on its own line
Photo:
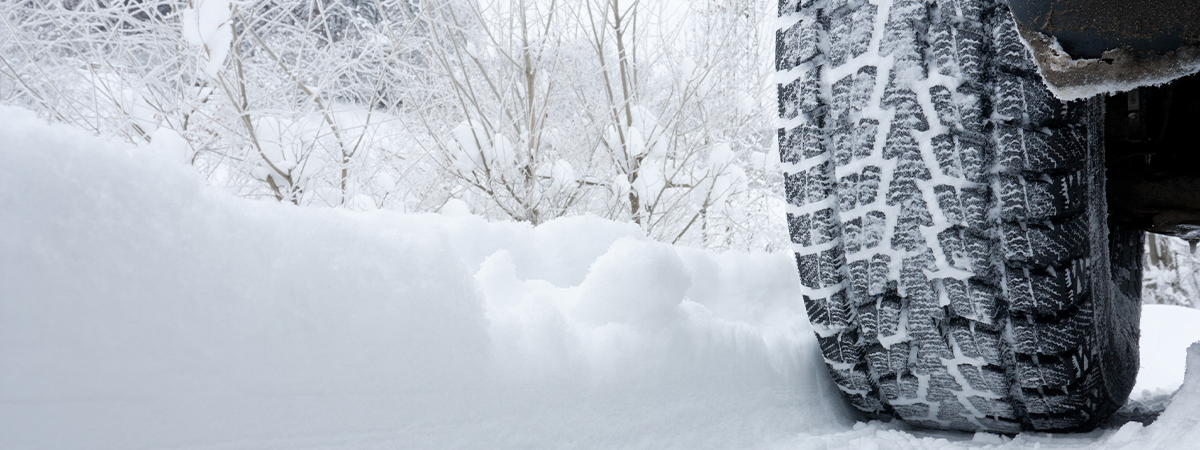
948 218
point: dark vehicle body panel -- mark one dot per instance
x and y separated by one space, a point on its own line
1088 28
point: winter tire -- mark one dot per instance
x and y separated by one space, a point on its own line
949 221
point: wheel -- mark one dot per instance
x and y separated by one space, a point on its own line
949 220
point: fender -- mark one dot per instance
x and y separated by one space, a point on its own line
1089 47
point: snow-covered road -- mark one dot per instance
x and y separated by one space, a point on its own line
141 309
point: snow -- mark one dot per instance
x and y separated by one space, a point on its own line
208 26
145 310
141 309
1166 333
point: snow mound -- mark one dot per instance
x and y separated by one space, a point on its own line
141 309
1177 427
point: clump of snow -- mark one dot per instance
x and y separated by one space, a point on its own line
208 26
169 142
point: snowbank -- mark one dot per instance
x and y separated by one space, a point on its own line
141 309
1177 427
1167 331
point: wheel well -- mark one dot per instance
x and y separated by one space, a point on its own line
1152 146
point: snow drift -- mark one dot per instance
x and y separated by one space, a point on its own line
144 310
141 309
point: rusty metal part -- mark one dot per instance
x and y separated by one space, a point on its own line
1088 47
1088 28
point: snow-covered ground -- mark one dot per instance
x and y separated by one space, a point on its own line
141 309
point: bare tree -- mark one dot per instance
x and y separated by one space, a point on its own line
529 110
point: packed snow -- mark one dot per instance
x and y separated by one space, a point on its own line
141 309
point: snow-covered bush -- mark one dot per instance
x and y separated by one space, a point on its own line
1170 272
654 113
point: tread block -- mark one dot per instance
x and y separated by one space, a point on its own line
864 25
1009 53
901 39
831 312
794 184
865 137
1046 244
961 10
977 205
911 166
832 262
943 105
1053 404
852 235
946 152
841 142
905 191
1044 197
1063 372
790 6
1025 101
864 86
975 158
860 288
1046 291
879 271
839 37
889 361
839 113
825 226
903 387
979 253
985 378
850 35
868 403
1002 424
798 44
851 379
800 143
953 248
874 228
967 304
1062 149
968 97
881 317
942 388
909 114
914 213
1055 337
848 192
809 271
915 412
958 49
949 204
995 408
802 95
977 342
841 347
868 187
800 228
820 182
